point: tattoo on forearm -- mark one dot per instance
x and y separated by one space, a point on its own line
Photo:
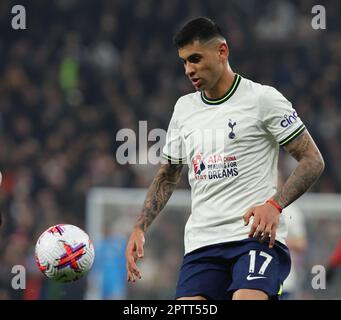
158 194
299 182
306 173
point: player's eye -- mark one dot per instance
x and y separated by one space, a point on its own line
194 59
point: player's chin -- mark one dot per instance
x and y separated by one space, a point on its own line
199 87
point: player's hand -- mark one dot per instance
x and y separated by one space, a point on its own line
265 222
134 251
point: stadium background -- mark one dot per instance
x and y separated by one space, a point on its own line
84 69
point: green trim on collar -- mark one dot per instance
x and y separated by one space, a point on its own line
226 96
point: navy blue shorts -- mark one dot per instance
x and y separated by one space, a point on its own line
216 271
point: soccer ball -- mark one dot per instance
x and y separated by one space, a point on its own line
64 253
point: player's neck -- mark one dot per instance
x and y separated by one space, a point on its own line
222 86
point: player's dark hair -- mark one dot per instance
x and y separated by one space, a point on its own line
202 29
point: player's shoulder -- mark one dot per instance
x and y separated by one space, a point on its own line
268 98
187 102
257 89
188 98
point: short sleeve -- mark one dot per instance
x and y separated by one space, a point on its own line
279 117
174 148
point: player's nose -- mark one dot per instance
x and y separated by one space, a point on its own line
189 70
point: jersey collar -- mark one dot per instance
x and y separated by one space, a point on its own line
226 96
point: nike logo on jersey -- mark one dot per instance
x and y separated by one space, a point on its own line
249 277
187 134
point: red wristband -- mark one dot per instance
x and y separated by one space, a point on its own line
276 205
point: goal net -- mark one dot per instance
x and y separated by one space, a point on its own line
111 213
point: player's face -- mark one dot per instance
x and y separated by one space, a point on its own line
204 64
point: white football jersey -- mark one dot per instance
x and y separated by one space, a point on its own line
231 147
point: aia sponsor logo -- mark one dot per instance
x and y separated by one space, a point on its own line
198 165
215 166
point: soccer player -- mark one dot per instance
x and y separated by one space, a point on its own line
228 132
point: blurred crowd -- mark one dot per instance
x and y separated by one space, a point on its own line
84 69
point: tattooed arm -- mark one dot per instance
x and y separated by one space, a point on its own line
158 194
309 168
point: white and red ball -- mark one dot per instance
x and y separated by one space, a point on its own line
64 253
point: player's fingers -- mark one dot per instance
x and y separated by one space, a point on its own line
131 277
134 268
137 273
273 236
134 272
131 263
253 227
128 272
129 269
259 231
266 234
247 216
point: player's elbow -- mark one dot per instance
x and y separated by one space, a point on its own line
320 165
316 165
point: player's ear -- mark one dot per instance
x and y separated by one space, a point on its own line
223 51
